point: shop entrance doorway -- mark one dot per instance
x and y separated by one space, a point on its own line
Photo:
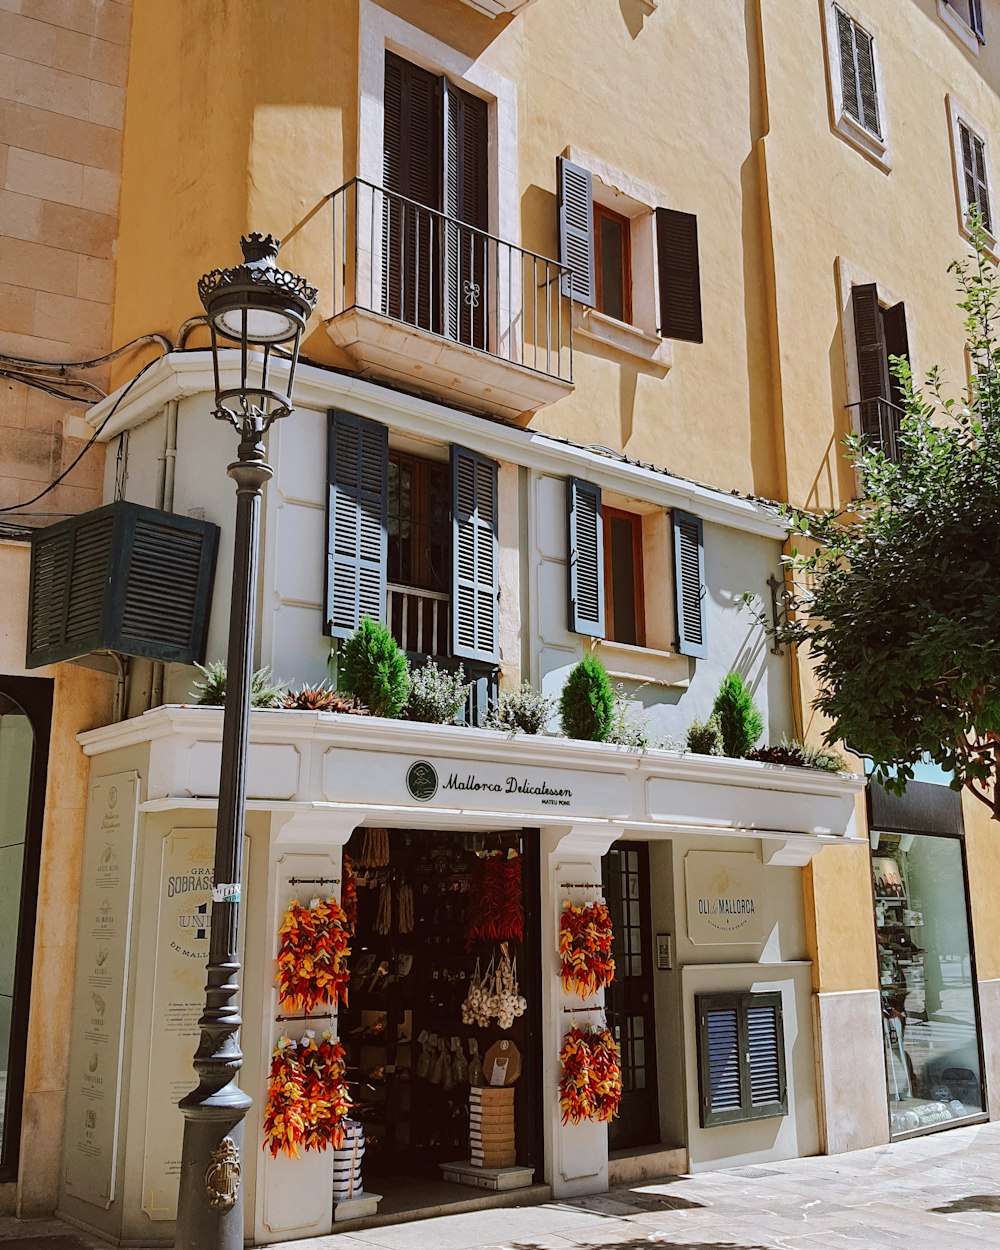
411 1051
629 999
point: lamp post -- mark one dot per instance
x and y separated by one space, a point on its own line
257 306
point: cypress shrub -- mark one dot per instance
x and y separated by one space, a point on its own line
374 670
740 721
587 702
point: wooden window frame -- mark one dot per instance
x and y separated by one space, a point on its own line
420 518
635 521
601 211
739 1002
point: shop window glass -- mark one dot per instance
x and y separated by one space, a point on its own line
16 750
929 1021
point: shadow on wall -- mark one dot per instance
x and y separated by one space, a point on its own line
634 13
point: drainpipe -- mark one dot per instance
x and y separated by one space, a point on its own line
165 502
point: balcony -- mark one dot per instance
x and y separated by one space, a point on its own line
420 622
422 299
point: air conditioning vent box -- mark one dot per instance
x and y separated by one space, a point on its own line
122 578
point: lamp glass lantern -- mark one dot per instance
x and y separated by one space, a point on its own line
260 307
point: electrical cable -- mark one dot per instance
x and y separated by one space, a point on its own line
87 446
22 362
27 379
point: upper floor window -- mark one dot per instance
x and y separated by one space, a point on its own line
855 78
436 203
975 180
964 18
632 262
615 592
879 335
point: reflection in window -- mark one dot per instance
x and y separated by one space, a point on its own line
16 748
929 1025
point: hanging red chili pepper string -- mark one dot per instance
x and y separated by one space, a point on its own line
496 903
284 1125
591 1084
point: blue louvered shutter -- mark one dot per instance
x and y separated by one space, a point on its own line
689 584
720 1061
475 557
358 467
586 558
575 206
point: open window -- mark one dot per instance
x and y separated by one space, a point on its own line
413 543
618 562
435 212
630 261
879 334
964 18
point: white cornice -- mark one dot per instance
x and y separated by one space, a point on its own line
377 734
180 375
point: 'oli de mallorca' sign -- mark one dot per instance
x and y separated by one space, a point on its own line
724 898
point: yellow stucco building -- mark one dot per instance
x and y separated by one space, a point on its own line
633 270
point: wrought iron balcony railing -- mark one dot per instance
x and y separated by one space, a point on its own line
879 422
414 265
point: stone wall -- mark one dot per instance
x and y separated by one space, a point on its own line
63 68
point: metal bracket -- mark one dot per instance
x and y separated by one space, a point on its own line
781 601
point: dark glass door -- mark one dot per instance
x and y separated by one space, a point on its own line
629 999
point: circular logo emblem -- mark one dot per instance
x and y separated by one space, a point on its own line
422 780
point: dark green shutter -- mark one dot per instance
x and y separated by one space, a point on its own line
721 1070
977 191
741 1057
679 275
857 73
465 200
874 383
689 584
976 19
356 522
897 343
765 1052
475 556
586 558
575 204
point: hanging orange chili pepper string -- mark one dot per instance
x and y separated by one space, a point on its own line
585 936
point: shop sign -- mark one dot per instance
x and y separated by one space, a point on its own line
98 1030
724 898
382 778
183 928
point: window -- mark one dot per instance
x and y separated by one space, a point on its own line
432 526
741 1057
975 180
619 262
626 618
879 334
855 77
607 596
435 162
612 263
964 18
419 553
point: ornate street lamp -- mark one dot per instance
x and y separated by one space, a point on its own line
259 307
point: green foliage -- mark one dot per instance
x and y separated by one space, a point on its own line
898 595
704 737
374 670
321 698
587 702
739 719
629 727
800 755
521 711
264 691
436 697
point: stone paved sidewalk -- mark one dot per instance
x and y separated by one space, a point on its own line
934 1193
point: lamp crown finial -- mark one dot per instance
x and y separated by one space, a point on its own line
257 247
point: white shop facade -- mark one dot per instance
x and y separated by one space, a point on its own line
700 859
